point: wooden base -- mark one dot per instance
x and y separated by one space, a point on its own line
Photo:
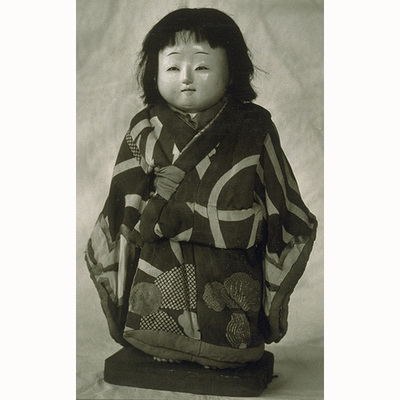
132 367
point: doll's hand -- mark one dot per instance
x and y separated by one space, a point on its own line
167 180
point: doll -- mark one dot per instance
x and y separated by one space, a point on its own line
204 234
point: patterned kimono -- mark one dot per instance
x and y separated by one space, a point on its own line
202 238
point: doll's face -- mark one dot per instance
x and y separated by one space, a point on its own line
192 76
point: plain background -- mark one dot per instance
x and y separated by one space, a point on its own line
286 43
38 199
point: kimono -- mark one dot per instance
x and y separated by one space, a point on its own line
202 238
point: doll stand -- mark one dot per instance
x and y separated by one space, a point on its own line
132 367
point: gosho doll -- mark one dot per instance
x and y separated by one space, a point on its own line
204 234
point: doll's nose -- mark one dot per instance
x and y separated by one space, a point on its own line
187 76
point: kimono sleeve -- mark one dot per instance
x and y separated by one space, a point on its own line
291 232
112 252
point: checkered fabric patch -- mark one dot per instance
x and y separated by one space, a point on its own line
159 321
134 149
178 288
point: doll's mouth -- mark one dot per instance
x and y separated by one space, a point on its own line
188 90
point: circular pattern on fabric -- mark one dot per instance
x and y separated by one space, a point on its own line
244 290
145 298
160 321
178 288
212 296
238 331
238 291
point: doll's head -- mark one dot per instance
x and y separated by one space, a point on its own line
194 57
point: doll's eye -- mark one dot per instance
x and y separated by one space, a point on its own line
201 68
173 69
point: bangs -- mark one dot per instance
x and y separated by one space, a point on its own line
195 35
198 32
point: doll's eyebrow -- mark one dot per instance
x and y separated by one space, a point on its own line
197 52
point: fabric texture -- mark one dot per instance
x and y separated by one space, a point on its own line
203 237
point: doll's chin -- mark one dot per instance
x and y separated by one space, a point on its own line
192 108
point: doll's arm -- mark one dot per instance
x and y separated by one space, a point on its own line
112 252
290 238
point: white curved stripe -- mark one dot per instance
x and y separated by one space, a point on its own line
112 277
157 230
267 300
260 172
183 236
152 138
100 244
268 297
148 268
270 206
275 275
290 206
198 208
138 128
122 267
286 236
225 215
261 204
176 249
214 195
125 165
135 201
271 209
235 215
257 219
147 168
246 162
291 181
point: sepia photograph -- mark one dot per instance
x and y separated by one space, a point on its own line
201 202
200 187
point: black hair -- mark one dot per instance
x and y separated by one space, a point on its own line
203 24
